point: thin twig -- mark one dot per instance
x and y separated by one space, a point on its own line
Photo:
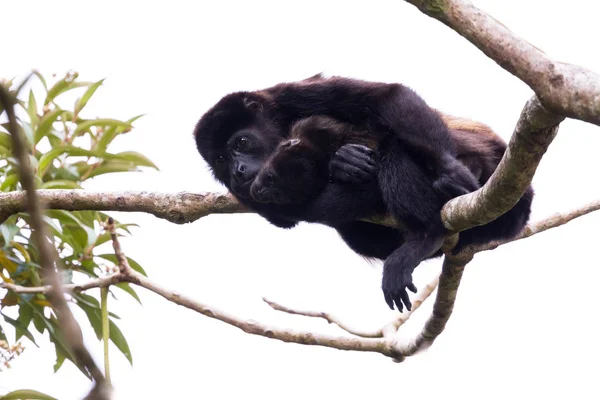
550 222
68 288
390 327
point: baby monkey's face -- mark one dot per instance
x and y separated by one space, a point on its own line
291 175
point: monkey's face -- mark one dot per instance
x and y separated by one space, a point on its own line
236 137
292 175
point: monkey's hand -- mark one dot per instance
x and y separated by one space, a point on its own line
455 179
353 163
394 284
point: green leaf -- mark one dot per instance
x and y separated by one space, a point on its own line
116 336
84 237
63 86
10 182
20 329
60 359
136 158
132 263
39 323
107 137
28 131
46 124
60 184
34 162
32 109
26 394
102 238
84 126
47 158
5 140
8 231
127 288
88 300
41 78
62 347
67 172
113 166
25 314
2 334
81 102
94 317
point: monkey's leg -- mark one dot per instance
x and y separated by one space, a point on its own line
399 266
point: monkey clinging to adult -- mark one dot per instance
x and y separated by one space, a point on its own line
355 129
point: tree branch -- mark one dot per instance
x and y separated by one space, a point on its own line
178 208
550 222
68 288
391 327
534 132
380 341
452 271
566 89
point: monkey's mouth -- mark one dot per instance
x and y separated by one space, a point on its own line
269 195
242 190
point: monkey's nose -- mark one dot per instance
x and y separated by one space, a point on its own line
258 193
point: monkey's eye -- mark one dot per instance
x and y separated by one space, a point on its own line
220 160
270 179
241 143
291 142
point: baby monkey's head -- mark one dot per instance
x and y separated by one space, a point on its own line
297 170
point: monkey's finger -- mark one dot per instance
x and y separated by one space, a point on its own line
389 300
355 156
405 299
399 305
345 173
359 148
411 286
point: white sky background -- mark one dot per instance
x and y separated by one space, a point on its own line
524 324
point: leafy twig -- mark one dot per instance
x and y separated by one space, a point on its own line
68 323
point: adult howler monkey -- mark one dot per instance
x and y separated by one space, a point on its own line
421 163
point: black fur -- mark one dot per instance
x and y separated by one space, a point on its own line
421 165
296 173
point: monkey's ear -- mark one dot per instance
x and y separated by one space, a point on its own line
252 104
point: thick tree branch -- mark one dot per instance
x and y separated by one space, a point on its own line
532 229
67 322
534 132
199 205
178 208
566 89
